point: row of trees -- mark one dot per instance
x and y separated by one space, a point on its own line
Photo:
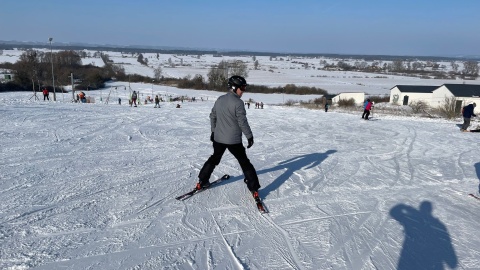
218 75
470 68
34 69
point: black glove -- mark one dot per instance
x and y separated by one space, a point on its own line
211 137
250 142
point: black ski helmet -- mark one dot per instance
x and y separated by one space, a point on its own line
236 81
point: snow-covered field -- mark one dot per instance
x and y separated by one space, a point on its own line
274 72
92 186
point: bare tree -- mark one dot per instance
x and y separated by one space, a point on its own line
447 109
157 73
397 65
216 78
237 67
470 68
454 66
418 106
141 59
416 65
255 64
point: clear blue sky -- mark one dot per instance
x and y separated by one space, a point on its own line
396 27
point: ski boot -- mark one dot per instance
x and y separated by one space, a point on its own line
258 201
202 185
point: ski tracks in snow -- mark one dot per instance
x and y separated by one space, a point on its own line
280 239
270 232
234 258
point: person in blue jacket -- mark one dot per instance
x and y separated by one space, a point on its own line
467 115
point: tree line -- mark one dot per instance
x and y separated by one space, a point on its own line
425 69
33 70
218 75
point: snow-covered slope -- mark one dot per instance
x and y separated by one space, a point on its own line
92 186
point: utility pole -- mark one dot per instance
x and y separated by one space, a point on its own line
152 87
73 87
53 77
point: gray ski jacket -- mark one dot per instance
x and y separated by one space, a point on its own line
228 120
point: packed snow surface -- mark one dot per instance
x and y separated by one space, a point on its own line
93 186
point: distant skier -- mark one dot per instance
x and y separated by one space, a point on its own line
134 99
228 120
467 115
45 94
157 102
366 106
82 97
326 107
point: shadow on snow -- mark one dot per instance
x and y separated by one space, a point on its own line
427 243
306 161
290 166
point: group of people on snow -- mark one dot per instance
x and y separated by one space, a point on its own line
258 105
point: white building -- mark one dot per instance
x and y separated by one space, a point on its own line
435 96
358 97
464 93
405 94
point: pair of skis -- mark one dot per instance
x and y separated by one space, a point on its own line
258 201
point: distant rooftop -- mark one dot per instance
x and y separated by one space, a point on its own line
464 90
416 88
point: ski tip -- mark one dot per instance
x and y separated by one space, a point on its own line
474 196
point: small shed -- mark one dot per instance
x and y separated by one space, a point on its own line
358 97
5 76
405 94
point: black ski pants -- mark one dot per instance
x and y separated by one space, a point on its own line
238 151
365 114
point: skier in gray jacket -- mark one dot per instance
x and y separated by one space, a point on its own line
228 121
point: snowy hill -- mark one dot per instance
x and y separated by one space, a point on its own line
92 186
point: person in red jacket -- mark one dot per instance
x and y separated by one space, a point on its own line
45 94
368 107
